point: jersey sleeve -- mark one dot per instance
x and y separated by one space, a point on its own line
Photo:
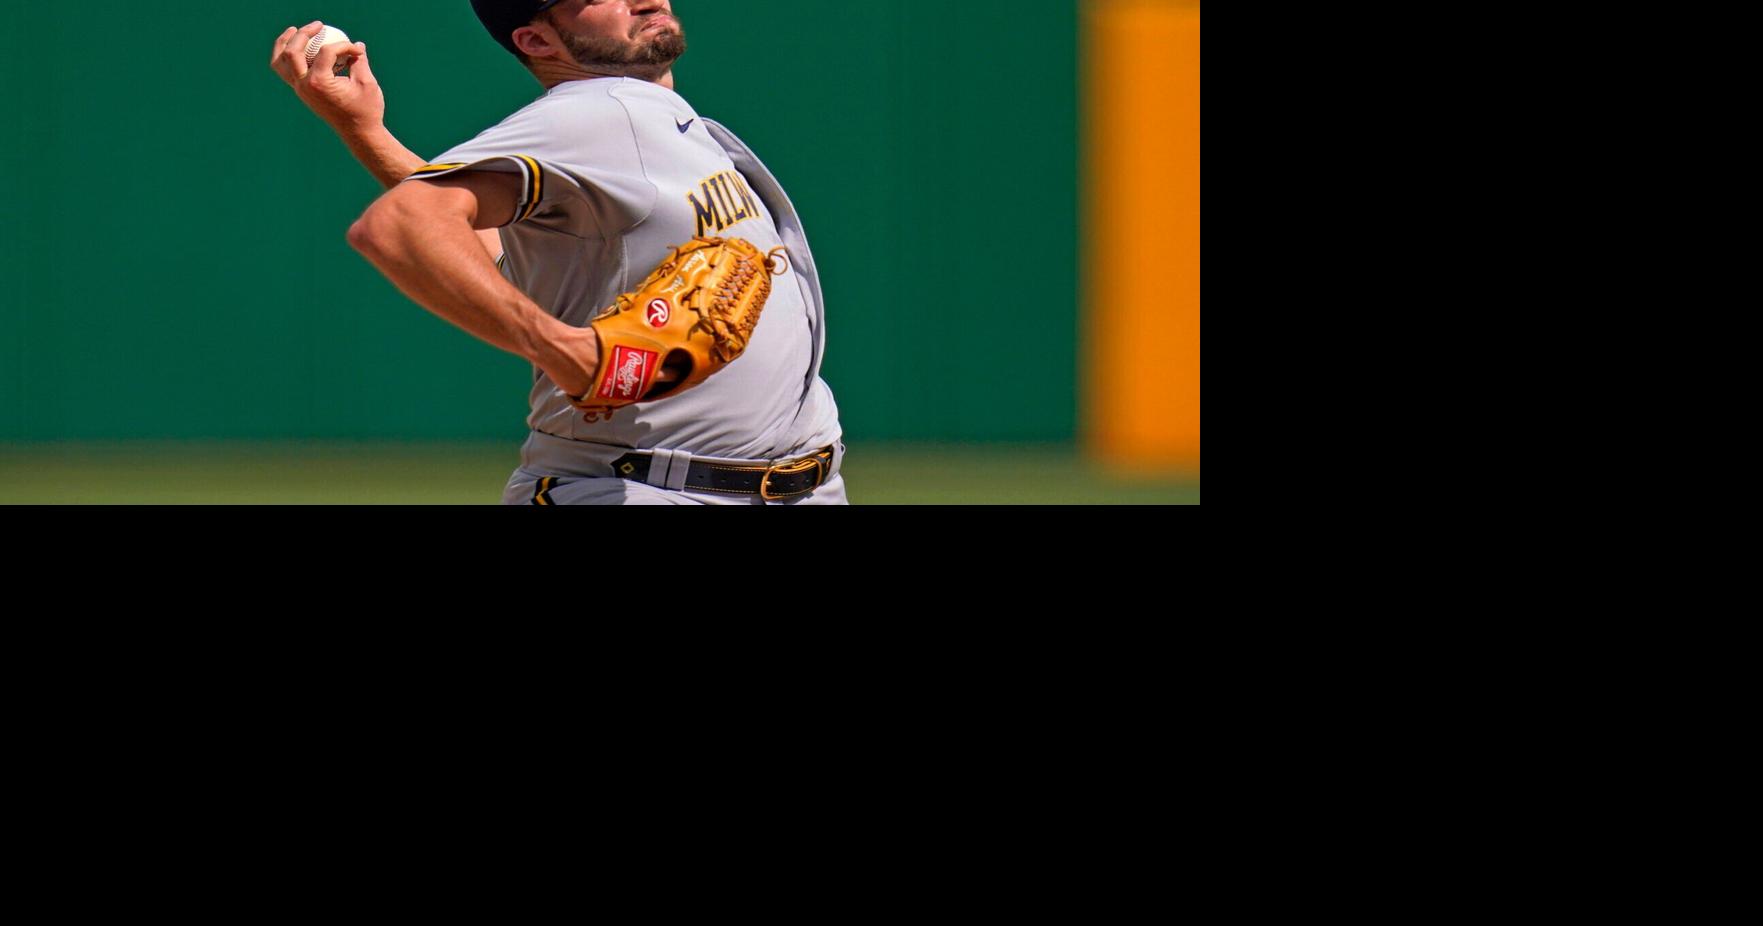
556 204
578 167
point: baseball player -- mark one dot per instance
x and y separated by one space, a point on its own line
523 234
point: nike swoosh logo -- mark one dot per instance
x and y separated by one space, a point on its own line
683 128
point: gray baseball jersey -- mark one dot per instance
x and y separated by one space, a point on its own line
616 172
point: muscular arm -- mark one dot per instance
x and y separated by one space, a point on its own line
390 162
383 155
421 236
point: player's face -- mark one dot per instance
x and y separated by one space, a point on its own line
636 38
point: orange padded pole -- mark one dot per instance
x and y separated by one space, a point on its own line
1141 66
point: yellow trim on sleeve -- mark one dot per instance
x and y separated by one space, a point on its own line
536 191
535 182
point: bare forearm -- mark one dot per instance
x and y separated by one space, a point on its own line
440 265
382 154
390 162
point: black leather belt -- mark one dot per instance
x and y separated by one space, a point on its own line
777 482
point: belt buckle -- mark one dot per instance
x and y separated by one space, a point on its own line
790 468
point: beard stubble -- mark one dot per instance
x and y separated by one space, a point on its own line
648 60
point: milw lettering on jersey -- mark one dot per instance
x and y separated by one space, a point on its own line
721 201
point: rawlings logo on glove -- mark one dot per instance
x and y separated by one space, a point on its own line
630 373
718 288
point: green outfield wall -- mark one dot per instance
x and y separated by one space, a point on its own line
173 262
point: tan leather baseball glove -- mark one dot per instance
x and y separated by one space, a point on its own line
694 314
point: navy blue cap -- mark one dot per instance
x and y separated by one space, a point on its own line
502 17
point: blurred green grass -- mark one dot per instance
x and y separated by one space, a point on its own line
988 474
340 473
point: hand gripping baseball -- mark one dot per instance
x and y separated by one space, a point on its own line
350 103
695 312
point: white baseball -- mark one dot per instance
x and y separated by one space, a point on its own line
329 35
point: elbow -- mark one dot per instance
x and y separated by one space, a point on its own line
384 223
367 234
396 220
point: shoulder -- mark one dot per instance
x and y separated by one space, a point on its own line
575 122
642 94
565 105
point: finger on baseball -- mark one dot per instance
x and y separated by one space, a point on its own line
281 62
326 62
275 51
295 53
361 70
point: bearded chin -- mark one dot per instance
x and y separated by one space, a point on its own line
666 49
647 61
